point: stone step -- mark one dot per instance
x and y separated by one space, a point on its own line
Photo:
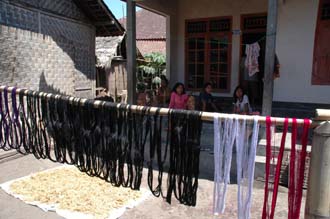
262 159
9 155
277 140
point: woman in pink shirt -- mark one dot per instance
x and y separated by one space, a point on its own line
179 98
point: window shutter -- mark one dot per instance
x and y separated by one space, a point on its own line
321 65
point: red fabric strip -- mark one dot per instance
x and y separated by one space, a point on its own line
278 167
301 170
297 169
292 186
269 213
267 167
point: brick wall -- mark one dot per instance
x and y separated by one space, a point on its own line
42 50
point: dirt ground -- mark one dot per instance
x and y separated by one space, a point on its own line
153 207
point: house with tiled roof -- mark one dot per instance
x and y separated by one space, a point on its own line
150 32
50 45
207 41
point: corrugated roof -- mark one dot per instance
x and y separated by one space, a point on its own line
149 25
105 22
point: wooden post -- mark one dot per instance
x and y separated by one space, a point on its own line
131 51
318 193
270 57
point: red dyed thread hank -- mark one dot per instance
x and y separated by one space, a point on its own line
297 168
269 213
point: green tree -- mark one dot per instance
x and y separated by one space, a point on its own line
151 70
155 63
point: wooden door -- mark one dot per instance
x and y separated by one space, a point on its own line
254 27
321 65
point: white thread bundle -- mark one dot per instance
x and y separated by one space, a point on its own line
224 137
226 133
246 147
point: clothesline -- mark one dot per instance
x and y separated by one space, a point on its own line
206 116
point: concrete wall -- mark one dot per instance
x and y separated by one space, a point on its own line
47 45
215 8
295 42
295 47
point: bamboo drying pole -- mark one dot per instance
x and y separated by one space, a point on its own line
206 116
322 115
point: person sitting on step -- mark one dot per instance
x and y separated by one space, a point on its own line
206 99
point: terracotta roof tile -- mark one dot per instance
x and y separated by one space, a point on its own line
149 25
148 46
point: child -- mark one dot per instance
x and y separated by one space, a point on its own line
241 101
206 99
179 97
163 94
142 99
141 96
191 103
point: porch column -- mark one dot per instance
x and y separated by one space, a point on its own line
168 46
270 57
131 51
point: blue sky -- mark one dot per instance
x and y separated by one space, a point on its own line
117 7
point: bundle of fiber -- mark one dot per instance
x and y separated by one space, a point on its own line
73 194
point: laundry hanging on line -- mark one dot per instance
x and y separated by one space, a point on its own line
246 138
252 52
105 141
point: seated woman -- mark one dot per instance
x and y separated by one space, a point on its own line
206 99
179 97
241 102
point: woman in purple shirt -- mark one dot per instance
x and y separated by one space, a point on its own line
179 97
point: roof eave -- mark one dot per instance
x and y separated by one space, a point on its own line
101 17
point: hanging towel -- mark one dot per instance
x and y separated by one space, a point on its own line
252 52
246 145
224 138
